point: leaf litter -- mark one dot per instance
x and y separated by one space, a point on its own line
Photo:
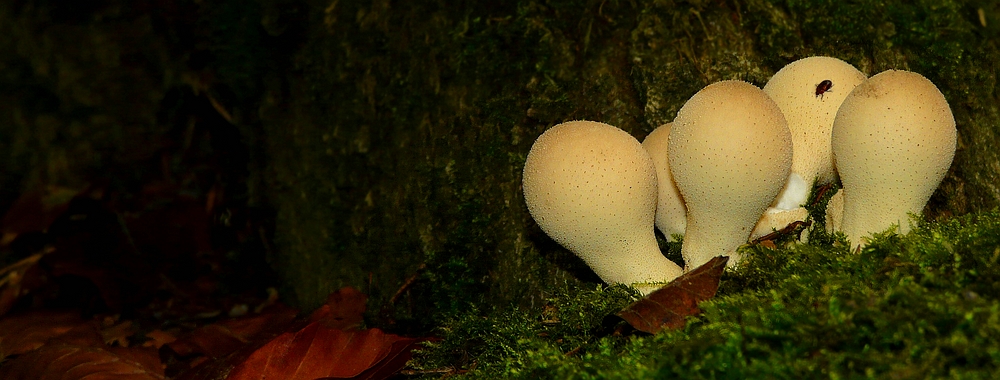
85 261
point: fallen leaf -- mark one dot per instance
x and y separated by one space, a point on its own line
327 345
318 351
344 309
27 332
222 338
118 334
158 338
668 306
66 362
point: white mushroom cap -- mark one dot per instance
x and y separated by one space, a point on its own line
730 153
894 140
671 216
810 118
592 188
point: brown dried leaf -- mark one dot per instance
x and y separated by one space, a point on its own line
344 309
65 362
27 332
668 306
313 349
317 351
221 339
158 338
118 334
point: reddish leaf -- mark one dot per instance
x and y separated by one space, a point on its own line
118 334
158 338
317 351
400 354
221 339
668 306
344 309
27 332
67 362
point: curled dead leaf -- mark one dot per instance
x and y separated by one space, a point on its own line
318 351
668 306
65 361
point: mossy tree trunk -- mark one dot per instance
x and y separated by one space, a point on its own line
388 137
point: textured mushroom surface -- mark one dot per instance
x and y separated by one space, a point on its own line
808 91
592 188
730 153
893 140
810 115
835 212
671 216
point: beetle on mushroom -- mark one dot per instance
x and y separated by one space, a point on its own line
823 87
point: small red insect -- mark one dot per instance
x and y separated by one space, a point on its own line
823 87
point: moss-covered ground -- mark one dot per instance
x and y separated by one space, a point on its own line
925 304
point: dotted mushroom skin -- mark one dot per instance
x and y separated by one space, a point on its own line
810 116
671 216
592 188
730 153
893 140
808 91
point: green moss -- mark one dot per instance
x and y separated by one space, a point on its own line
926 304
396 135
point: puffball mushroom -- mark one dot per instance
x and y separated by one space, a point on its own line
893 140
671 216
810 113
592 188
808 91
730 153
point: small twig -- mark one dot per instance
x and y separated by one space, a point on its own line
220 109
784 231
435 371
406 285
822 191
12 274
574 351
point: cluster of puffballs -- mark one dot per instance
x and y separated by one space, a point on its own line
739 162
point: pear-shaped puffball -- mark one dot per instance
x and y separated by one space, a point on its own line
592 188
671 217
730 153
894 138
809 92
